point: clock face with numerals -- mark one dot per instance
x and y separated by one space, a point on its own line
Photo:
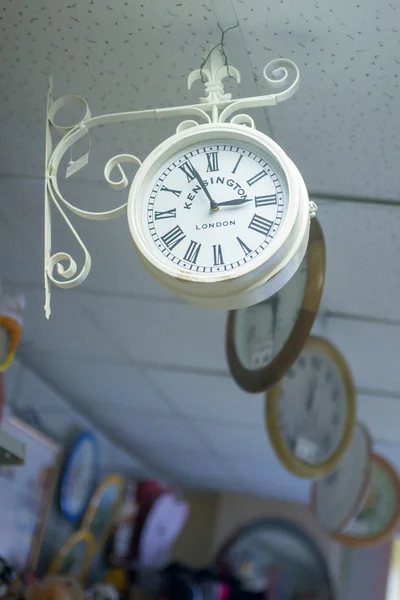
311 412
214 208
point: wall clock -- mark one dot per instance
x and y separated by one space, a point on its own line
276 558
103 510
263 341
379 516
338 498
310 413
220 215
74 556
78 478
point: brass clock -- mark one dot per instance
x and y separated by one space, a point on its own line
310 413
264 340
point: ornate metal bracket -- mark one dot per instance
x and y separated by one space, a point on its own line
215 107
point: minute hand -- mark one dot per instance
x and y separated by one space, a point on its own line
235 202
213 204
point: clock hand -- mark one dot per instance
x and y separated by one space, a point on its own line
235 202
213 205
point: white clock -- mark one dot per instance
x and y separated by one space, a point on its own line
310 413
220 215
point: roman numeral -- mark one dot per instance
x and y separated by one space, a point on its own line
265 200
260 224
189 170
192 252
176 192
165 214
212 161
256 178
237 164
243 246
173 237
218 258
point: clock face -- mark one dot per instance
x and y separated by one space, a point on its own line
381 507
338 497
311 412
214 208
261 330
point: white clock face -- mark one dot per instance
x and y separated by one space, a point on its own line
380 507
339 495
313 407
214 208
261 330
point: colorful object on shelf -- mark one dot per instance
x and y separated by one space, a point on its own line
11 309
55 588
74 557
103 509
160 519
102 591
79 476
120 543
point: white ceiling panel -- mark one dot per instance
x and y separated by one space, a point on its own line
342 126
362 271
178 334
372 351
211 398
235 440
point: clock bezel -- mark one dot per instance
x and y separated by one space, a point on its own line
366 541
260 380
293 464
356 506
244 275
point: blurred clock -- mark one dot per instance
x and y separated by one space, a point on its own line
338 498
379 516
263 341
310 414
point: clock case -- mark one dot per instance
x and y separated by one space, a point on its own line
295 465
247 284
260 380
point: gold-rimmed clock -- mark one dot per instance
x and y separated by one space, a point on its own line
264 340
310 413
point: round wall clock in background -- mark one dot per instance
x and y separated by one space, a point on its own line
337 499
264 340
380 514
220 215
79 477
310 413
103 510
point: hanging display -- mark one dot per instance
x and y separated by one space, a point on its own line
79 477
310 414
263 340
74 556
379 516
11 309
218 212
103 509
337 499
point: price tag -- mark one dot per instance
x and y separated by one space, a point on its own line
306 450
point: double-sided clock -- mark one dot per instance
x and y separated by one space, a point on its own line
337 499
264 340
220 215
379 516
310 413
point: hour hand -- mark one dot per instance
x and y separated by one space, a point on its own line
235 202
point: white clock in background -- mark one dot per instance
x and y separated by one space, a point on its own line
337 499
220 215
263 341
310 413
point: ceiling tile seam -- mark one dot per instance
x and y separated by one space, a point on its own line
78 408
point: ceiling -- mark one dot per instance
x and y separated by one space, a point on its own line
107 347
